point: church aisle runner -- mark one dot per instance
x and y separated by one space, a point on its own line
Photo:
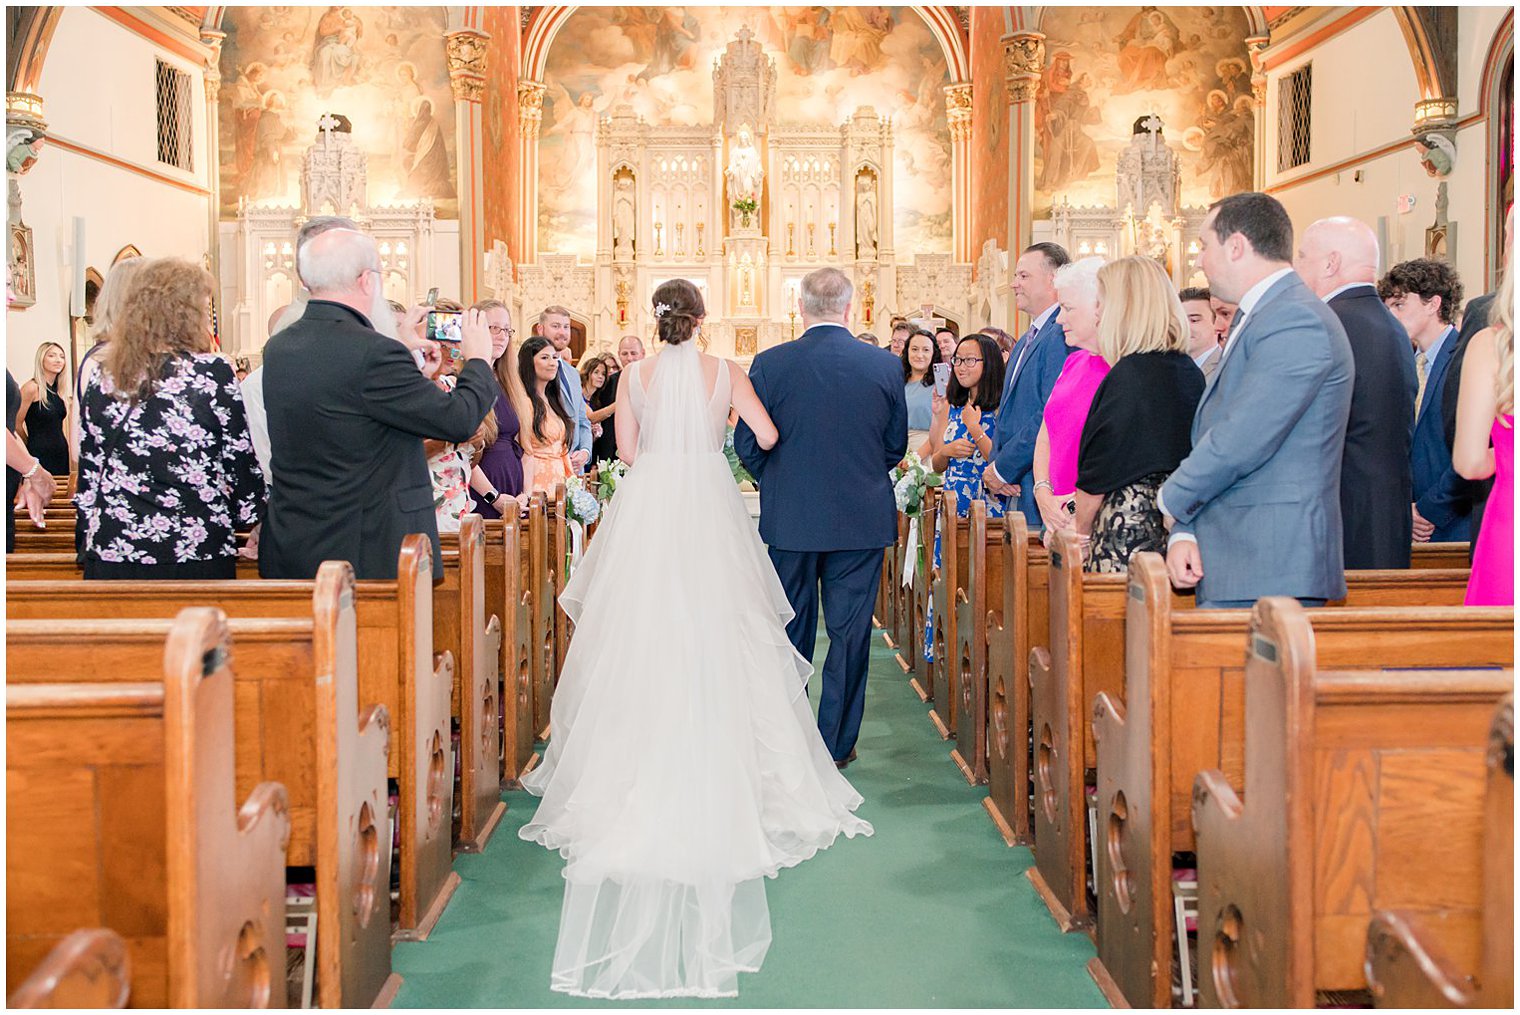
932 911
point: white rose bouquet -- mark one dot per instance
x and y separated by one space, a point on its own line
911 483
605 478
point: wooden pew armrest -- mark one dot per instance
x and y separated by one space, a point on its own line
1214 799
1408 968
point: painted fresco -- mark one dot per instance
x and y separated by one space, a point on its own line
1107 67
989 130
382 67
829 61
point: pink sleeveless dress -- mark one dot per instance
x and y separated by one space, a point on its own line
1493 572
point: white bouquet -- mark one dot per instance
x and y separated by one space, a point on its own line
580 504
604 479
911 481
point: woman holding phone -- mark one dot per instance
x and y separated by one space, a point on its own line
963 435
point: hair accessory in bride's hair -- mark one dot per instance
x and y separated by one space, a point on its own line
661 309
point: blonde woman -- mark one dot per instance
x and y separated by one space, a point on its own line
1139 426
108 311
1485 446
44 407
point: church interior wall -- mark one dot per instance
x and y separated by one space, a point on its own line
1363 160
990 179
121 190
502 160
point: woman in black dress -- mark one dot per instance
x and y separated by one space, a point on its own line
44 409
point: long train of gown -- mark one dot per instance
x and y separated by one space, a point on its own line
685 764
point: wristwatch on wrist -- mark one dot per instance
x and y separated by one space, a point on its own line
490 497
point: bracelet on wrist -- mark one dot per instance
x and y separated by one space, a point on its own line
29 473
1044 484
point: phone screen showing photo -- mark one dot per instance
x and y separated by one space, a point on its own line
443 326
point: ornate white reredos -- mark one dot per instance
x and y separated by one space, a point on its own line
744 206
258 255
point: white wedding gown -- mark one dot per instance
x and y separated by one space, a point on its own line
684 764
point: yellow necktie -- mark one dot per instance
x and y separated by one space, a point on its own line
1422 370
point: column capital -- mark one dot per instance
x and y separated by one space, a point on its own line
25 131
1023 60
530 107
466 50
212 39
958 110
1256 47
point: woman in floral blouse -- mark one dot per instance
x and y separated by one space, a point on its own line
167 473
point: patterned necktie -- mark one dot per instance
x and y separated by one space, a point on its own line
1422 371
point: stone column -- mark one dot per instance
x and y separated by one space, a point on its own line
1256 46
25 136
212 40
530 116
1023 60
466 49
958 112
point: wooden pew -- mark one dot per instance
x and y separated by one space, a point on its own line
509 592
465 628
1085 657
120 812
1362 788
903 633
65 567
943 686
1180 712
299 721
885 613
88 969
1026 608
978 601
922 669
1441 556
396 670
1415 962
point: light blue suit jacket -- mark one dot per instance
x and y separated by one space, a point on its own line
1032 371
1261 489
575 405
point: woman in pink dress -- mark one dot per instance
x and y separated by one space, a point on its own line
1485 446
1055 450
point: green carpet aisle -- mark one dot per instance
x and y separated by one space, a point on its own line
932 911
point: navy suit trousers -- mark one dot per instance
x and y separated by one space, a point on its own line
849 579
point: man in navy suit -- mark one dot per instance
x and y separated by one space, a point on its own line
1424 295
1033 367
1337 259
826 504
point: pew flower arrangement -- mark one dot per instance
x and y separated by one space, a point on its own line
605 478
581 509
741 474
911 482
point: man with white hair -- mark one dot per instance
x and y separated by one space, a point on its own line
1338 260
826 504
348 412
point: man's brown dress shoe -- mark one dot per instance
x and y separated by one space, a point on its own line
841 764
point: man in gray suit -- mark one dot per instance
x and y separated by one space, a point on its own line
1258 498
1203 340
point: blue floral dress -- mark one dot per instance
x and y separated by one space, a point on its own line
963 477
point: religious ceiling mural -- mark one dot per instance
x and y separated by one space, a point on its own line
829 61
1109 67
383 68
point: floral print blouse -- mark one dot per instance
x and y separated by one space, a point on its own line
450 469
170 479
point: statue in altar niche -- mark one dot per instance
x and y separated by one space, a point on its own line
624 217
865 216
744 175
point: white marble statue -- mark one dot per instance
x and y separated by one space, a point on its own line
623 219
744 173
865 219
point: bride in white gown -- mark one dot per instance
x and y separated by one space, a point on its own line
684 764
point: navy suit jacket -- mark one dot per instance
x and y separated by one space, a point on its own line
1032 371
839 407
1376 482
1443 497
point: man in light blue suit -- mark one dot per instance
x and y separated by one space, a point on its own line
1255 509
826 504
1424 295
554 324
1033 367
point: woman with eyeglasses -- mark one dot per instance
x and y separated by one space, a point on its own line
498 473
963 434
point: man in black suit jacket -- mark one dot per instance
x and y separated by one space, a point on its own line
1337 259
348 411
1474 319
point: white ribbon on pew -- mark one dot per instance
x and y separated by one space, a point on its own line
912 553
577 540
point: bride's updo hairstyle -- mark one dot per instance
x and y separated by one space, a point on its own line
678 307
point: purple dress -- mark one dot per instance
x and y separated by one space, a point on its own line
502 461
